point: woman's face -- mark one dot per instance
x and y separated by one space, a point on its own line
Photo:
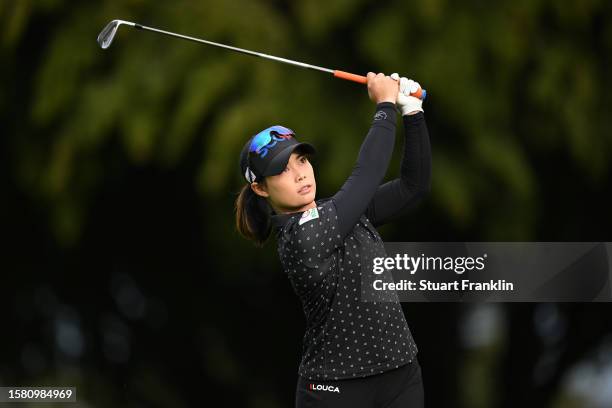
284 190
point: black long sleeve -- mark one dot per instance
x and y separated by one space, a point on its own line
359 189
396 196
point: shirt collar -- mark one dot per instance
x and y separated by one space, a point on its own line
279 220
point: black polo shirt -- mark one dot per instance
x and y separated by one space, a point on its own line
327 254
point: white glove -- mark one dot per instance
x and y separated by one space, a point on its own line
405 102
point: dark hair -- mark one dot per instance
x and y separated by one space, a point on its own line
253 215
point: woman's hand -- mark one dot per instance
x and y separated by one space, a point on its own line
382 88
406 103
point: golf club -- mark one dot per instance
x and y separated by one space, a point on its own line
106 36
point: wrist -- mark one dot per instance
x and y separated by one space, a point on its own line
417 117
386 112
410 109
412 112
387 106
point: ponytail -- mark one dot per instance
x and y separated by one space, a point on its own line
253 216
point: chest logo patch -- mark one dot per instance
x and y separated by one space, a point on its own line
309 215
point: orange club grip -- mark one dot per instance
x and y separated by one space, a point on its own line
351 77
363 80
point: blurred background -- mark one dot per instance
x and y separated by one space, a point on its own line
122 272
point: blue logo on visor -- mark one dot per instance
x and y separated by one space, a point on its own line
267 139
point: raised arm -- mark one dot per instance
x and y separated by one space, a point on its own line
396 196
375 153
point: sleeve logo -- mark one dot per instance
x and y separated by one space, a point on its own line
380 115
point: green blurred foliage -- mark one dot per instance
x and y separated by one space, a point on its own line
506 80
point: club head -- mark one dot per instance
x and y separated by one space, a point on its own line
105 38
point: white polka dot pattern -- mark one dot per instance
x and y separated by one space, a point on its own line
345 336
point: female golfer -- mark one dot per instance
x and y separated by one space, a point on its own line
355 353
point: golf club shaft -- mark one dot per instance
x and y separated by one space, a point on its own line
420 93
257 54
